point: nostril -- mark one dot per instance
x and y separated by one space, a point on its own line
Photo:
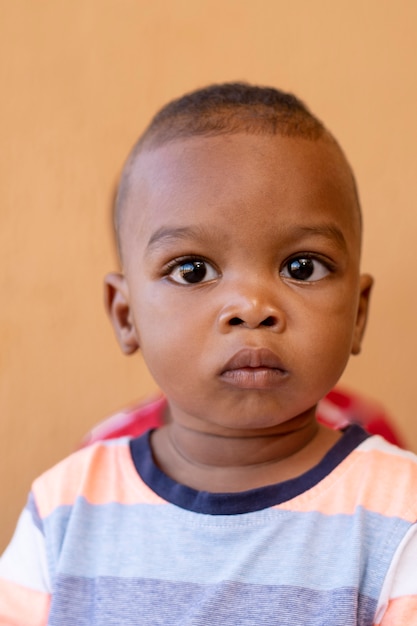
268 321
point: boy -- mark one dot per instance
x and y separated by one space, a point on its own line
239 229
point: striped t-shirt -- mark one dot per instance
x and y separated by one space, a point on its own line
108 539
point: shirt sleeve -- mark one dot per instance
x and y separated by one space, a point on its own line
24 578
398 600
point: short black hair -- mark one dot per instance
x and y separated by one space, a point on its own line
218 109
229 108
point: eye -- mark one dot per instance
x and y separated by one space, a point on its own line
191 271
305 268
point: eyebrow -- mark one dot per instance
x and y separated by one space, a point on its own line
329 231
167 234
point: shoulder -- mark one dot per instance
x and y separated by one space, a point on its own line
384 458
386 478
90 473
375 478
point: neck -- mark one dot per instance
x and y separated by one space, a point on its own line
230 462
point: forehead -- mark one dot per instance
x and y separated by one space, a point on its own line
238 179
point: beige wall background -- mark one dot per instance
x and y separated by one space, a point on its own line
79 80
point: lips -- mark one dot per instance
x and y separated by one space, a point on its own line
254 369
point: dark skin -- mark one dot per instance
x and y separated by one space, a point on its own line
241 286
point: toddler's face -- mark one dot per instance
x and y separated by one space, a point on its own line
241 276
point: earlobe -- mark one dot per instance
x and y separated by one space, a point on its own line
366 282
117 304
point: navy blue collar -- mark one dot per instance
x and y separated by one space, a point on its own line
245 501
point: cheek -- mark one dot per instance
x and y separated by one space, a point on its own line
169 340
166 314
160 353
329 326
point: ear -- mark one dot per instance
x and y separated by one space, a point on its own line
365 287
116 301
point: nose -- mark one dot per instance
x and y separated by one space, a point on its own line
251 308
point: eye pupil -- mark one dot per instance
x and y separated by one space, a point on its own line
301 269
193 271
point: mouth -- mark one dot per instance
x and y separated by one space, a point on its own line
252 368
